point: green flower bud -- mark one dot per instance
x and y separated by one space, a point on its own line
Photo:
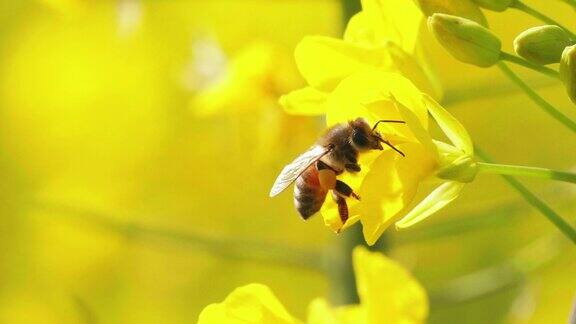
462 169
568 71
542 44
466 40
494 5
460 8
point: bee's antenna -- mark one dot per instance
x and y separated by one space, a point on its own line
391 146
387 121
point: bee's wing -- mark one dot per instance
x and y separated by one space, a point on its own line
294 169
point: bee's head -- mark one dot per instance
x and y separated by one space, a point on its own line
366 138
363 137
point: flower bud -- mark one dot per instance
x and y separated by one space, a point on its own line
568 71
494 5
542 44
460 8
466 40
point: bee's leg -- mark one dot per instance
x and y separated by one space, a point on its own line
344 190
342 207
352 167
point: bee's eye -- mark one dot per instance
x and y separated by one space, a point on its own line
360 139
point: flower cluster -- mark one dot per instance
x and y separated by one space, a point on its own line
377 72
467 37
387 293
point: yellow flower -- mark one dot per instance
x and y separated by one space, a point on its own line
254 77
374 38
388 182
246 92
361 76
388 294
253 303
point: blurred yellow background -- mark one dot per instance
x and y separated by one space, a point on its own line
134 181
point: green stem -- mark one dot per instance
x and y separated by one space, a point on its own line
538 15
517 170
571 3
541 102
493 279
340 270
232 248
538 68
552 216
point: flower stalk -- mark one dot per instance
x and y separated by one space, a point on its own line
538 15
524 171
571 3
536 202
527 64
537 99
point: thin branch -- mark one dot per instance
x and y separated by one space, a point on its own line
494 279
242 249
536 202
541 102
529 65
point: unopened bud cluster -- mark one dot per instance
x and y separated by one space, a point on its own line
460 27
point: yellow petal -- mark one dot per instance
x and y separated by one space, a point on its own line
450 125
355 95
351 314
387 291
306 101
390 186
380 21
360 30
253 303
414 69
325 61
435 201
417 129
320 312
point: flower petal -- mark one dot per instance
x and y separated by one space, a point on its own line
253 303
306 101
320 312
417 129
368 94
390 186
435 201
450 125
387 291
376 24
414 70
325 61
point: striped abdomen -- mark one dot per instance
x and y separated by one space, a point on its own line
308 195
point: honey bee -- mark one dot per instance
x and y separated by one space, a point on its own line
315 170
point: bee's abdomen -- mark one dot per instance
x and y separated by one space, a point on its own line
308 195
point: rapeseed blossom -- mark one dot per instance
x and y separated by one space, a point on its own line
359 76
246 91
388 182
388 294
374 39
